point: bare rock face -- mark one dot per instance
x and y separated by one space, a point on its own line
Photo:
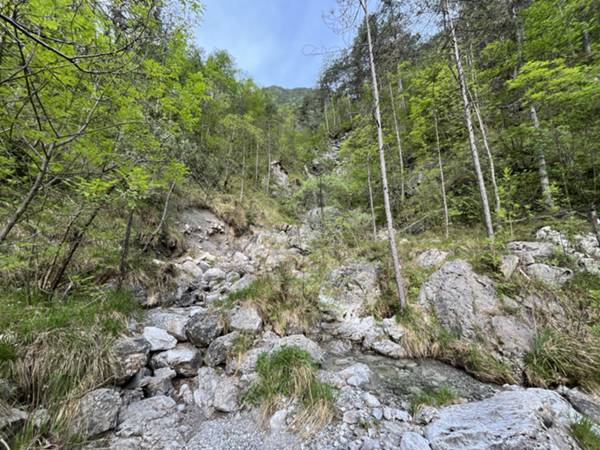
468 305
414 441
171 320
159 339
349 290
216 392
510 420
551 275
219 349
184 359
97 412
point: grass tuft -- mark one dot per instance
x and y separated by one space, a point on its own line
289 375
584 434
438 398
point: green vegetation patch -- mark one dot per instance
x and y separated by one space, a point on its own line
584 434
438 397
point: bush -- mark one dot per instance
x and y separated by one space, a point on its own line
289 375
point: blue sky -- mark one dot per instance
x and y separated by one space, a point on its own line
270 39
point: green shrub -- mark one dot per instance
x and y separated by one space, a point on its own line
584 434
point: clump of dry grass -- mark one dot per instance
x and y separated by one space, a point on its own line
288 377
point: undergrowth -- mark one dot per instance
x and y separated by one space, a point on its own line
289 375
584 434
439 397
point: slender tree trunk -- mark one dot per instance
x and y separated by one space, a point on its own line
256 167
471 132
268 187
442 178
386 199
403 105
35 187
399 143
243 174
321 203
326 119
594 222
162 219
587 45
371 204
542 170
334 113
125 250
350 110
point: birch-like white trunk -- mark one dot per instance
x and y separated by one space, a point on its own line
469 123
442 178
542 170
399 143
386 198
371 204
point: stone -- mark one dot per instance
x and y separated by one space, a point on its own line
510 420
278 420
132 355
396 414
203 328
149 424
586 404
184 359
356 374
413 441
303 343
351 417
171 320
393 329
97 412
530 251
508 265
551 275
214 275
388 348
11 419
219 349
242 283
425 414
40 418
355 329
215 392
371 400
161 382
159 339
245 319
431 258
370 444
191 268
349 290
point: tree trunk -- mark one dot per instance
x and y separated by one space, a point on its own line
256 167
268 187
125 251
243 174
162 219
587 45
326 119
37 184
442 179
371 205
542 170
471 132
594 222
350 110
399 143
386 199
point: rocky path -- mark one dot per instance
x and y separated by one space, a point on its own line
181 384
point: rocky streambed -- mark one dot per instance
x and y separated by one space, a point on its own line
182 378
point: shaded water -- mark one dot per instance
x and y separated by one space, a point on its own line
405 378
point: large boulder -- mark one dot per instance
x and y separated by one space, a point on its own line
511 420
531 251
413 441
171 320
431 258
350 290
245 319
184 359
97 412
132 355
219 349
551 275
467 304
203 328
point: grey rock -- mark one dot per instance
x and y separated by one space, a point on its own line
245 319
351 417
356 374
370 444
303 343
214 275
510 420
184 359
11 419
132 355
191 268
349 290
242 283
413 441
97 412
551 275
388 348
219 349
171 320
371 400
586 404
508 265
431 258
393 329
216 392
161 383
530 251
159 339
203 328
277 421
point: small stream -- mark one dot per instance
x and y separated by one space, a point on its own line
405 378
